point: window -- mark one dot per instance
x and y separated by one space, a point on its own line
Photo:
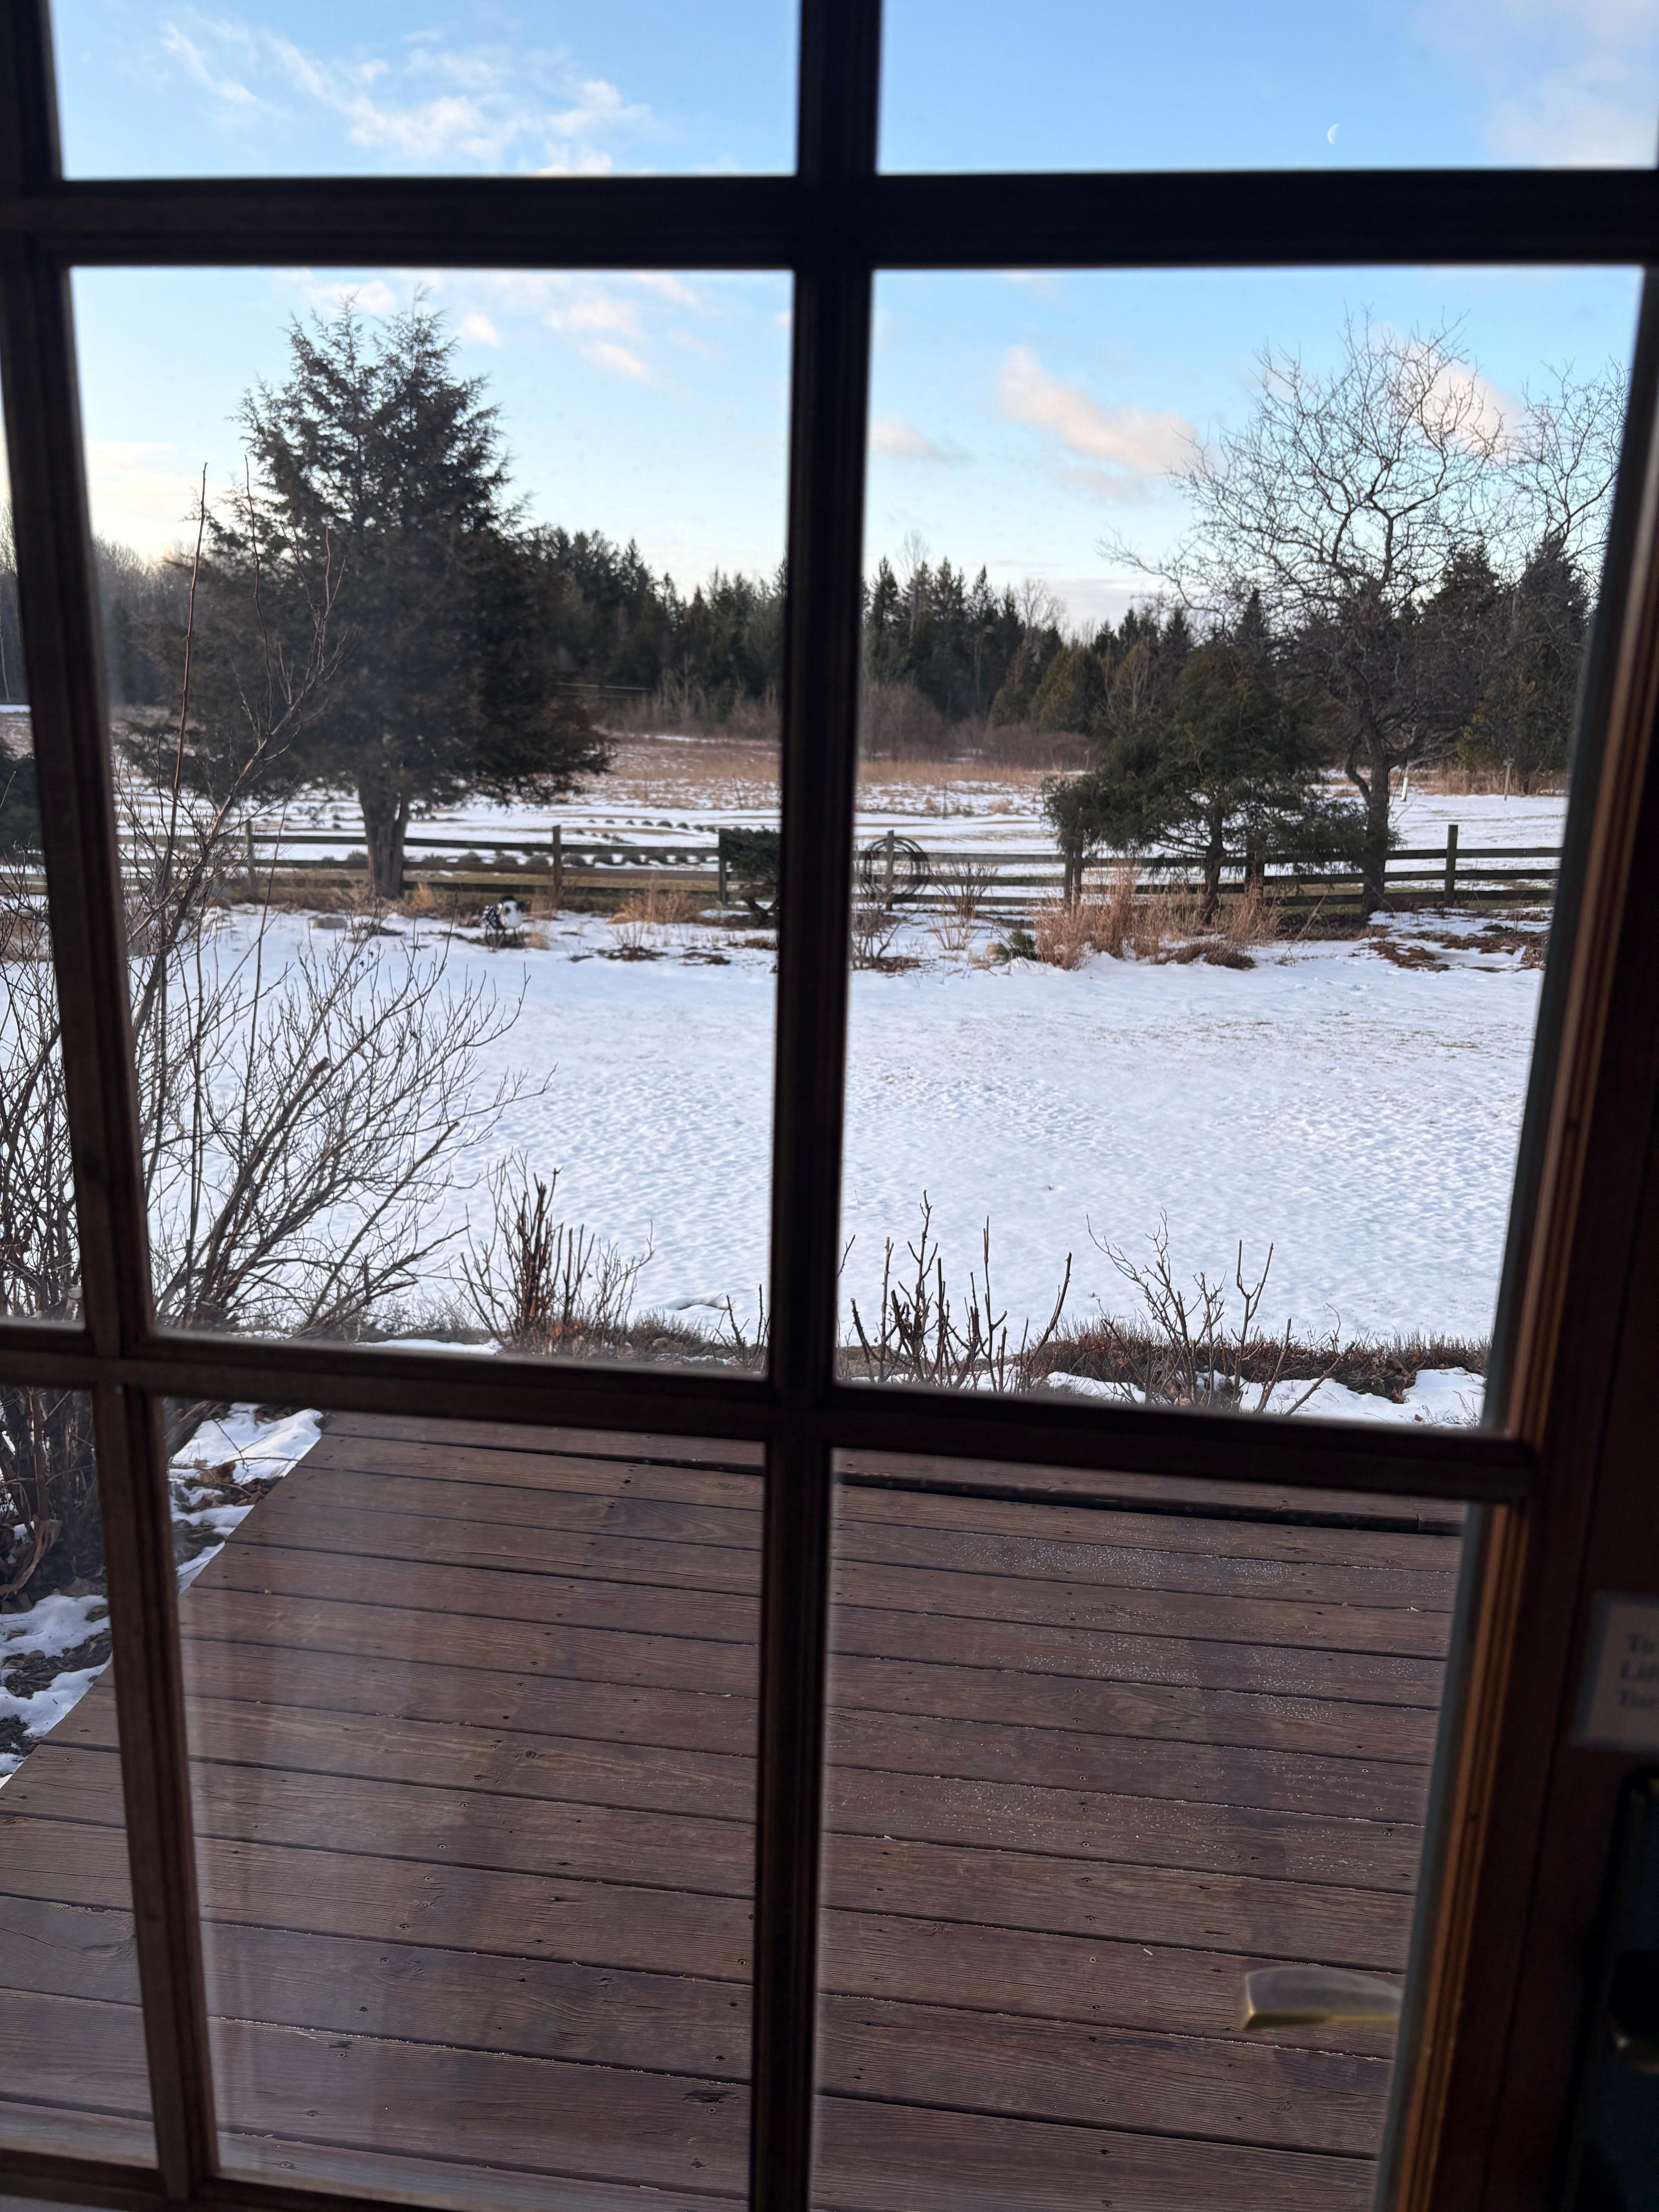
693 1568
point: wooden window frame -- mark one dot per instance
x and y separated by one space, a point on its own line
1529 1472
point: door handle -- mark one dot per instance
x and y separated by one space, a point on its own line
1634 2010
1318 1996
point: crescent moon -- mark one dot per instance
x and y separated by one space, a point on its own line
1330 136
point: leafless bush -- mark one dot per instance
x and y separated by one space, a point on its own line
1165 915
302 1108
1192 1352
897 720
543 1286
923 1332
963 894
688 709
632 927
1037 752
874 928
50 1530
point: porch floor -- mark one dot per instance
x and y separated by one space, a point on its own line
473 1711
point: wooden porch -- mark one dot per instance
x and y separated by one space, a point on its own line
473 1711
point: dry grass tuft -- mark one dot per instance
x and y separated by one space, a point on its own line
657 917
1062 932
1252 918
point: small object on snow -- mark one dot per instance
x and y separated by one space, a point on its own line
328 921
504 922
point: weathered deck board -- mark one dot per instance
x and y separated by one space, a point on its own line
473 1715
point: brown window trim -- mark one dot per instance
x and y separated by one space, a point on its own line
832 225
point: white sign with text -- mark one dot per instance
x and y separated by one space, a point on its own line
1619 1708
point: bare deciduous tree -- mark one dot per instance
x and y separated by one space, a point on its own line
1374 508
302 1112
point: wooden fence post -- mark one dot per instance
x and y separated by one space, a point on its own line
892 844
1451 862
252 877
558 866
720 865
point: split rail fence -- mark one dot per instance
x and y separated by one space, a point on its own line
895 870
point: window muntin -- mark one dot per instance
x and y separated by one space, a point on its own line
1493 1470
40 1238
629 89
1291 86
1131 1021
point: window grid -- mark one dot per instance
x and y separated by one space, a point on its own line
831 225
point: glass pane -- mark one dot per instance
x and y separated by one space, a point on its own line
472 1711
72 2070
304 89
40 1245
1290 85
453 997
1221 649
1098 1758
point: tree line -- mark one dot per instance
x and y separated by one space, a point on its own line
1386 566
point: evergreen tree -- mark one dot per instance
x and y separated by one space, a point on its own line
1012 703
20 804
1524 719
374 549
1229 770
1073 692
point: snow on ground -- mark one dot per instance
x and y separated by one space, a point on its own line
240 1453
241 1449
1357 1115
1445 1397
59 1624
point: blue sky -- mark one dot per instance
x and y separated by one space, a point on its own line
174 86
1016 421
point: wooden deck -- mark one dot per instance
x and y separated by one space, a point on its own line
474 1710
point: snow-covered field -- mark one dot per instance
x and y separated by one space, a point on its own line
937 805
1357 1115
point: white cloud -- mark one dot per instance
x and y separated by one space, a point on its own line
230 90
1133 444
1564 81
666 286
137 497
896 439
328 295
1465 394
596 311
620 360
486 105
621 321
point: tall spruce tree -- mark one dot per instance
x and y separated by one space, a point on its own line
370 612
1523 722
